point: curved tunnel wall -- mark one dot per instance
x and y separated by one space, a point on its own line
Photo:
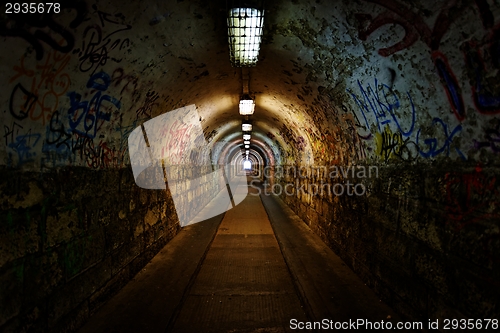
411 89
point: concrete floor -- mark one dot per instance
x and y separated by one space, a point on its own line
252 269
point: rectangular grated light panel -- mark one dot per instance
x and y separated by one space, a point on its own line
244 32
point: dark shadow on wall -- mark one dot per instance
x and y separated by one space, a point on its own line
70 238
423 237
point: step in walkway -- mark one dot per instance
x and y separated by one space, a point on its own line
254 269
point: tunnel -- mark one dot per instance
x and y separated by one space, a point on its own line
364 197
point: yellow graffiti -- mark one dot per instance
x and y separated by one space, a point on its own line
389 145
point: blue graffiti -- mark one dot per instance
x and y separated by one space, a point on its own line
486 100
383 103
61 144
486 96
56 155
432 143
84 116
450 84
24 146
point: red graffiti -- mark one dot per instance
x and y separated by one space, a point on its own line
368 25
177 140
127 82
486 100
102 156
413 24
471 197
47 82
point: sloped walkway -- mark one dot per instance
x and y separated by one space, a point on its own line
254 271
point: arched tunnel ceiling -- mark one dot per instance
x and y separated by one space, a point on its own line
334 78
227 153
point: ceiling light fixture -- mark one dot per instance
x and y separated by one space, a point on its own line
246 136
246 127
245 34
247 142
247 106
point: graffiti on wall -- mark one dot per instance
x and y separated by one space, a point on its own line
382 104
98 46
179 140
441 142
87 117
480 60
471 197
485 92
25 146
145 111
396 132
38 89
53 123
485 87
42 29
70 130
394 145
74 132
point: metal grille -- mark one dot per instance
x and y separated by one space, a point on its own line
245 33
246 127
247 107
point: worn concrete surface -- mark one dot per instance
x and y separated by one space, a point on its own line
330 288
244 283
254 271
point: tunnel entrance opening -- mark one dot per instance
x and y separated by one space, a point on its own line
247 165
